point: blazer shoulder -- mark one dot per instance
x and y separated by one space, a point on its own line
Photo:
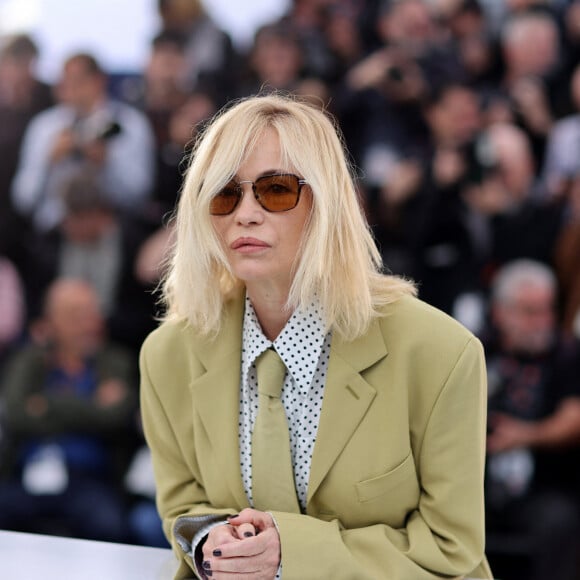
169 340
180 335
172 349
409 319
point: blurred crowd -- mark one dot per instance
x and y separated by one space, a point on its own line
462 120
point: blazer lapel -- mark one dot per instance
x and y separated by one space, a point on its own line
347 396
216 396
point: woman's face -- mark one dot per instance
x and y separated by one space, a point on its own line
262 246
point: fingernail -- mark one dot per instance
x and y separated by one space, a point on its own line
208 572
232 516
217 553
248 535
206 565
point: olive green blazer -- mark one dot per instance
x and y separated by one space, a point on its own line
396 482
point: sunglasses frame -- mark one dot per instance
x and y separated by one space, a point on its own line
240 190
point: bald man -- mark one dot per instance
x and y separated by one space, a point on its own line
69 402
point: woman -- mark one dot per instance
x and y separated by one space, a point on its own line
384 395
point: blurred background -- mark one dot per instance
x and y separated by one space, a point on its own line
119 33
462 123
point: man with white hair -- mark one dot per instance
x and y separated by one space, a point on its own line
534 421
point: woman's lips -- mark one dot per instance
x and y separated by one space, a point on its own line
248 245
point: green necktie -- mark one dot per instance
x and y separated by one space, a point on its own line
272 474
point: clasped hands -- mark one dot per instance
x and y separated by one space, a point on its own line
247 547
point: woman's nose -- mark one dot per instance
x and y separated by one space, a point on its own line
248 210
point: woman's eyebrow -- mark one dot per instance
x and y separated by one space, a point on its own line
264 174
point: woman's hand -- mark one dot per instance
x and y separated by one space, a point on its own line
248 547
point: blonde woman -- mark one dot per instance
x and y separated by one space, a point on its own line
383 397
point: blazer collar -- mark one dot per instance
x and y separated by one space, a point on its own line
347 397
216 396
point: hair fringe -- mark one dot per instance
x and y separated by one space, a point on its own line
339 262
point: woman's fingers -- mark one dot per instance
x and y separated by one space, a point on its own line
258 555
245 530
260 520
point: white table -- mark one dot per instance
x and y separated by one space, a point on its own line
37 557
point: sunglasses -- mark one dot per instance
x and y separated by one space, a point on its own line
273 192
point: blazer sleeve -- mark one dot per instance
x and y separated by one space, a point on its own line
181 499
444 536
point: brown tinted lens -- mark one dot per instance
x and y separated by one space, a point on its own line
226 200
278 192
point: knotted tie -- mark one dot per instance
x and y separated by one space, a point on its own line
272 474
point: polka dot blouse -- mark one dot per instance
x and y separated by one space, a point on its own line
305 349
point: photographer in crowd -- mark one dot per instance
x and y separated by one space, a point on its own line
85 128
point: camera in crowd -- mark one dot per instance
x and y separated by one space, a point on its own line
108 131
395 74
100 126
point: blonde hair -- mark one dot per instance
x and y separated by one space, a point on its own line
339 262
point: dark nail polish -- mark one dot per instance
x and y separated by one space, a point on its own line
206 565
248 535
233 516
208 572
217 553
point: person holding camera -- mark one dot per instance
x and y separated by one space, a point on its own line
88 128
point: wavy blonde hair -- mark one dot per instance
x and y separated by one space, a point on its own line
339 262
